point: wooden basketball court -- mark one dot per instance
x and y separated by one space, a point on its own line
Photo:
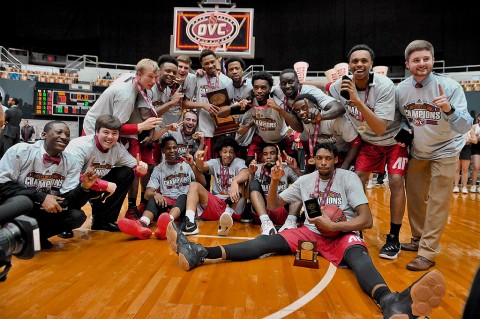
111 275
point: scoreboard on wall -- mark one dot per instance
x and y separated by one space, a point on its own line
63 102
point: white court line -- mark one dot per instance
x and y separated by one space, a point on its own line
225 237
299 303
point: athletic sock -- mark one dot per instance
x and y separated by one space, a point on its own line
190 215
395 229
145 220
293 218
214 252
264 218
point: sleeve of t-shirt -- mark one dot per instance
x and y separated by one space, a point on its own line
190 87
212 164
124 158
154 181
322 98
293 193
354 190
72 176
291 176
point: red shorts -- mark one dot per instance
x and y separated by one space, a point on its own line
372 158
256 147
331 248
150 154
277 216
215 208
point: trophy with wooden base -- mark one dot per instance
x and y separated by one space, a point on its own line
306 254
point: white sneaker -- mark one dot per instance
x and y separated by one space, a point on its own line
268 228
456 189
370 184
224 224
464 190
473 189
289 224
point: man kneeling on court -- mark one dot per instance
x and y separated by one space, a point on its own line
329 186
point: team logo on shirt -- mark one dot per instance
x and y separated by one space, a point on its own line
176 181
333 198
354 112
282 185
421 113
44 182
102 169
325 138
265 124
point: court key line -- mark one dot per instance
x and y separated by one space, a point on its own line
299 303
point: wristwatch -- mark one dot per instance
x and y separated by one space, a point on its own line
452 109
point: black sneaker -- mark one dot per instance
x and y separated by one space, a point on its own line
175 236
391 249
189 228
417 300
189 254
247 216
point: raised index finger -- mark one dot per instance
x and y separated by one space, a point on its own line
440 89
279 155
138 159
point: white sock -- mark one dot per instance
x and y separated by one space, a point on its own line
264 218
190 215
145 219
229 210
293 218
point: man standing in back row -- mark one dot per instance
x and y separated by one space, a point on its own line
369 99
436 109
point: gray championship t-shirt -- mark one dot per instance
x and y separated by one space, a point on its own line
346 192
23 163
436 135
380 98
171 180
214 168
84 147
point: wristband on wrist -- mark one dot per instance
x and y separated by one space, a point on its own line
452 110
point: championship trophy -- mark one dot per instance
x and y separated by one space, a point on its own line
306 254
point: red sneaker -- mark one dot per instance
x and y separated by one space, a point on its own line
162 223
134 228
